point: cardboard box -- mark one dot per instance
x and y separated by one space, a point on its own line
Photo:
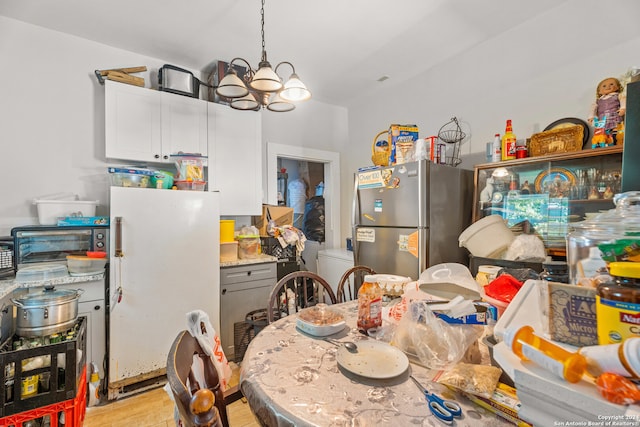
401 134
572 314
282 215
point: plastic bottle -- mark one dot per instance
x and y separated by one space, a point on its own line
369 304
496 154
94 386
508 143
529 346
617 306
622 359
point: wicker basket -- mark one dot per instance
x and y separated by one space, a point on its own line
563 140
380 158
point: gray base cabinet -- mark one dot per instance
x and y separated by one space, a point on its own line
243 289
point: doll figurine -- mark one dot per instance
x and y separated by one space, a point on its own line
610 105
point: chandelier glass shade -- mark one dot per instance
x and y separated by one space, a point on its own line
262 87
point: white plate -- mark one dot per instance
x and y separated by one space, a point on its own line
374 359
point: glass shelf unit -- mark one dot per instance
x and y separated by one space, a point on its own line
545 194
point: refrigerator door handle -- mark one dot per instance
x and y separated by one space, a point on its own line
118 249
354 212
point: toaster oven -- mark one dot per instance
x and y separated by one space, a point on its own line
50 244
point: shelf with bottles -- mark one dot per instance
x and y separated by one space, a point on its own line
549 192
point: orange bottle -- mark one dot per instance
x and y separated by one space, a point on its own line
369 304
508 143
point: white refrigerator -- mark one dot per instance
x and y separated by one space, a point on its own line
164 263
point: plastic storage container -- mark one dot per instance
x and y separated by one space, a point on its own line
487 237
249 246
190 167
228 251
191 185
227 230
320 321
50 210
38 273
79 265
130 177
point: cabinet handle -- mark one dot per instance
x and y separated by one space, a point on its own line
248 273
97 307
224 291
156 156
165 157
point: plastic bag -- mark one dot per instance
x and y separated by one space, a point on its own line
435 343
200 327
480 380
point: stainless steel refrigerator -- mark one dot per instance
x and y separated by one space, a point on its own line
408 217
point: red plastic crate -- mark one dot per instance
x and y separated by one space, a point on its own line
74 410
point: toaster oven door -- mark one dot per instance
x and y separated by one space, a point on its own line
37 246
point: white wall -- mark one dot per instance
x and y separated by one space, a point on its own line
52 118
534 74
52 108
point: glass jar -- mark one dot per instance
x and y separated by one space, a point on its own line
618 304
623 222
555 271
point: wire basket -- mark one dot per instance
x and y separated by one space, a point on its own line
6 258
451 133
380 158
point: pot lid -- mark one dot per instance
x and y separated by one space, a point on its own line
48 296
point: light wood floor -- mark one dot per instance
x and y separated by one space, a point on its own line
155 409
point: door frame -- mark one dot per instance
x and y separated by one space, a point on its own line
331 161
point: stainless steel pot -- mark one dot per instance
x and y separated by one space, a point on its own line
47 312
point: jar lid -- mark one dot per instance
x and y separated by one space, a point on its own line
625 217
625 269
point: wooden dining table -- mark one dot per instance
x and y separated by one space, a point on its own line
291 378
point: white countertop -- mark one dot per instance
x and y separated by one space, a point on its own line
7 286
247 261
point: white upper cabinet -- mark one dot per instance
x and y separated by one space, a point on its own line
147 125
235 159
184 124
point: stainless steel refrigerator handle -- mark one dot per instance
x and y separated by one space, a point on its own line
118 249
356 202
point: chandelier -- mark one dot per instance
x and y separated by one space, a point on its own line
266 87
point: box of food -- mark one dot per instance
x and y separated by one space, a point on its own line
401 136
572 314
281 215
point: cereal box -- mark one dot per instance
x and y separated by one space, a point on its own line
402 139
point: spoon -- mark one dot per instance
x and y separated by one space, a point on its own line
349 345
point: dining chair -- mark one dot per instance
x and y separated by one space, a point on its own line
351 281
200 403
296 291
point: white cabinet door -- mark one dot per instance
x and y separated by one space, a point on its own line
132 122
235 159
147 125
184 124
96 350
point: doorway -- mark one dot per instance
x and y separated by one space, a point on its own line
330 162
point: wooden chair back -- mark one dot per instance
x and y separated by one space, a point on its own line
296 291
351 281
194 399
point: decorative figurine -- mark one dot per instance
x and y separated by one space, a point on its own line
610 107
525 189
487 191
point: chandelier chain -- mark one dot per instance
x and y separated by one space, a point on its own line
264 52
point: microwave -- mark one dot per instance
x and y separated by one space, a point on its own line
38 244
